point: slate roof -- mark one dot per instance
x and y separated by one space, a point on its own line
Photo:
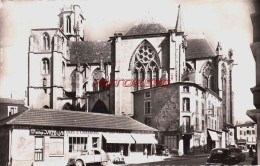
74 119
146 28
90 51
246 124
198 47
11 101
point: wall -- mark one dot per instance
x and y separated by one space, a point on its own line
123 52
165 108
100 95
23 144
4 145
4 109
250 138
56 54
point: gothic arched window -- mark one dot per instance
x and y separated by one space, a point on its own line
145 65
61 22
45 66
46 41
62 44
68 21
63 69
207 74
73 79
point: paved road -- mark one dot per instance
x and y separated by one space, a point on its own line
188 160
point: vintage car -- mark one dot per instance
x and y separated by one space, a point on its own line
90 156
162 150
237 152
221 156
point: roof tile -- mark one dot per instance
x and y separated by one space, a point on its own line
199 48
90 51
63 118
149 28
11 101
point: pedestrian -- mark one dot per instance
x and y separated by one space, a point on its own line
146 152
250 152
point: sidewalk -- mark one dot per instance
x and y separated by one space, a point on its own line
143 159
197 155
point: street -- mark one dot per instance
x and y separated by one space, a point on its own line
189 160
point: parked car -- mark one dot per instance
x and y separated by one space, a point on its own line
237 152
221 156
162 150
243 147
89 156
117 158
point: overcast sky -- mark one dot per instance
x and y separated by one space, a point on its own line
227 21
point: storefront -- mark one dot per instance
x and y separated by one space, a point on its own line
38 137
214 139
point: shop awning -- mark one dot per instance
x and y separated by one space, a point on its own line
119 138
144 139
213 135
251 143
241 141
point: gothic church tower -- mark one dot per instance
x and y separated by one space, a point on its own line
71 22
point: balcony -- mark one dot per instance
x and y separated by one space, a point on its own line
185 129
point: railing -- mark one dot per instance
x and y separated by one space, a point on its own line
38 155
187 129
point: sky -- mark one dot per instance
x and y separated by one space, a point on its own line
227 21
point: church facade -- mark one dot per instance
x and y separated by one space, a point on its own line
68 73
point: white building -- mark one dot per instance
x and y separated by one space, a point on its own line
246 134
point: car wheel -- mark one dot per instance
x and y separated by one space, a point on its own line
104 163
79 163
116 160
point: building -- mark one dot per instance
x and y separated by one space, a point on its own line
254 113
51 137
9 107
68 73
188 117
212 69
63 67
246 134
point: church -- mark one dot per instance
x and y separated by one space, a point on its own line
193 112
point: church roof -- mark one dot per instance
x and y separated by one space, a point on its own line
90 51
11 101
74 119
146 28
246 124
198 47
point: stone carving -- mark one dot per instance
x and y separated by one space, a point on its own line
207 71
168 118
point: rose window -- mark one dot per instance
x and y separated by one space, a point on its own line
145 54
146 63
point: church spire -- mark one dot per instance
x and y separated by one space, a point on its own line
179 23
219 49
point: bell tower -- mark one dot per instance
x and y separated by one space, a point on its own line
71 21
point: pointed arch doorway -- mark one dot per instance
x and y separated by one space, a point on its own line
100 107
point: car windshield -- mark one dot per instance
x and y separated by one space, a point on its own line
161 147
84 152
234 151
219 153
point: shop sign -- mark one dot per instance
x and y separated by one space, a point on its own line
46 132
